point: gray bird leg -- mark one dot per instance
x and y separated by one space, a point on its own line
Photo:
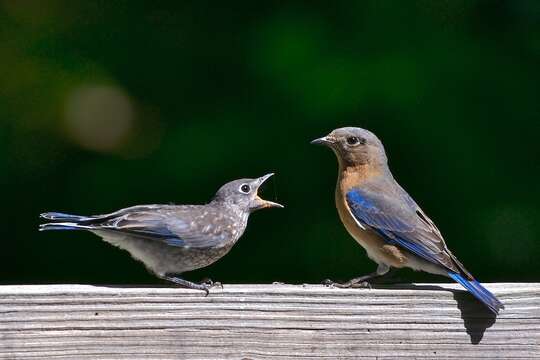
186 283
360 281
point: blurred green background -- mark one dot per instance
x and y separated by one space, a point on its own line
107 104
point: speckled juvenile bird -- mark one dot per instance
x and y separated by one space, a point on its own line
385 220
172 239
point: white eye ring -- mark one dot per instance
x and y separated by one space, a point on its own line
245 188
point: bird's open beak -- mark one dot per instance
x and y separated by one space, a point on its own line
262 179
261 203
325 140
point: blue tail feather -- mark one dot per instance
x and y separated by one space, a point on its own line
480 292
60 226
64 217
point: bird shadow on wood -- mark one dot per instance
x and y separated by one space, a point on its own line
476 317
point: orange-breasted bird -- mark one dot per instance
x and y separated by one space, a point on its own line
385 220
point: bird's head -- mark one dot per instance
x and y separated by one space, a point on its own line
243 193
354 146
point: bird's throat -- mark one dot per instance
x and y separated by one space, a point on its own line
352 176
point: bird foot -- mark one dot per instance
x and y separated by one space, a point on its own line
361 285
209 283
202 286
329 283
347 285
186 284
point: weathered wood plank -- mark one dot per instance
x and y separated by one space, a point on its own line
266 321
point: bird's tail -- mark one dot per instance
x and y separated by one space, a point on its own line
61 226
479 292
56 216
63 221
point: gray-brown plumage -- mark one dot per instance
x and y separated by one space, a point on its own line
172 239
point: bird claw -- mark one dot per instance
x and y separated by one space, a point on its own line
329 283
209 283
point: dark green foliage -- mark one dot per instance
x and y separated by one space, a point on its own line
181 97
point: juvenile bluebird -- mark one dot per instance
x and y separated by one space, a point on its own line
385 220
172 239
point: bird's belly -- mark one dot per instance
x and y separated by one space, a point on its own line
161 258
191 259
377 249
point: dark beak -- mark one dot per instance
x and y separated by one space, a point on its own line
261 203
323 141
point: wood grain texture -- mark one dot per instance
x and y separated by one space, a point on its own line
266 321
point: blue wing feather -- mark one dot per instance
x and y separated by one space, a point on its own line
415 248
397 223
175 242
392 227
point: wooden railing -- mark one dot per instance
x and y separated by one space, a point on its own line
266 321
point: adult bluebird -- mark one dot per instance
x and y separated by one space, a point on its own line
385 220
172 239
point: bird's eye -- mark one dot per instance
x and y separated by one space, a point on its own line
353 140
245 188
